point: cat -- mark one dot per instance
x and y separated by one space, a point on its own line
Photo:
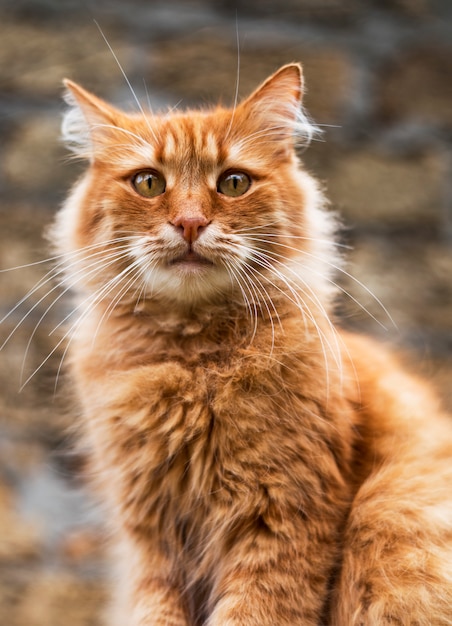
259 465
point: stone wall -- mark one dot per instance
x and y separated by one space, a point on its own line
378 76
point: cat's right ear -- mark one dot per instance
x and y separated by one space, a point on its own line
88 121
276 106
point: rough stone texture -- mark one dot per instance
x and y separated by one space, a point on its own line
299 10
417 84
19 541
48 53
393 191
378 82
52 598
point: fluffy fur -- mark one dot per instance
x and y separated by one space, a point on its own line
261 467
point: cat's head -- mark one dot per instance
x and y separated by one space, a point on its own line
193 206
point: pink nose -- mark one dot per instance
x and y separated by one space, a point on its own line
191 226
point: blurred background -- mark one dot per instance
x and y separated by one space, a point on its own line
379 82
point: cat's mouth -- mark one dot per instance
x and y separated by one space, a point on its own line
191 258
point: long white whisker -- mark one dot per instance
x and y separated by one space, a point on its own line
313 298
57 270
237 79
129 84
40 284
340 345
294 297
148 99
246 285
96 268
331 281
142 292
263 300
262 235
130 270
21 267
140 140
268 256
98 296
273 131
95 297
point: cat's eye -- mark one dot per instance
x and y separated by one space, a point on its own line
234 184
149 184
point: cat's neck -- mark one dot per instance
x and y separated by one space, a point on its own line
154 330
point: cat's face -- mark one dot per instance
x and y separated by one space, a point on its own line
189 206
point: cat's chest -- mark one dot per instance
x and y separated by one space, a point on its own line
173 434
178 421
197 443
177 406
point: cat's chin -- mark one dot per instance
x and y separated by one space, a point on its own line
190 279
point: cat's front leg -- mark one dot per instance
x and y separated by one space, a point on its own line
275 581
397 567
397 545
146 592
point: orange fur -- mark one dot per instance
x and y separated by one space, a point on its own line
261 467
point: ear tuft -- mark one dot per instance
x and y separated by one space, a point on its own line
84 119
75 130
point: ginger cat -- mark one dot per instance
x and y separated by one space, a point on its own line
261 467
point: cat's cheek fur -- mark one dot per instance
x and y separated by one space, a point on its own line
67 223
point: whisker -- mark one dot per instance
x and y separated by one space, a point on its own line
130 269
237 79
96 297
272 131
332 282
329 242
50 276
240 277
32 264
54 271
142 292
148 99
99 266
104 292
139 139
264 300
296 299
129 84
340 345
314 299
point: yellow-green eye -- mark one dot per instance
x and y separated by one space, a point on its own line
149 184
234 184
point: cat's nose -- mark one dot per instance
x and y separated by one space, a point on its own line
191 226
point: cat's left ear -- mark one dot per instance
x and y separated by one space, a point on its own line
88 122
276 104
281 92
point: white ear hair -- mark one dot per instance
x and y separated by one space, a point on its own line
304 129
75 128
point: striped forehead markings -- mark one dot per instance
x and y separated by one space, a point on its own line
190 141
169 146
